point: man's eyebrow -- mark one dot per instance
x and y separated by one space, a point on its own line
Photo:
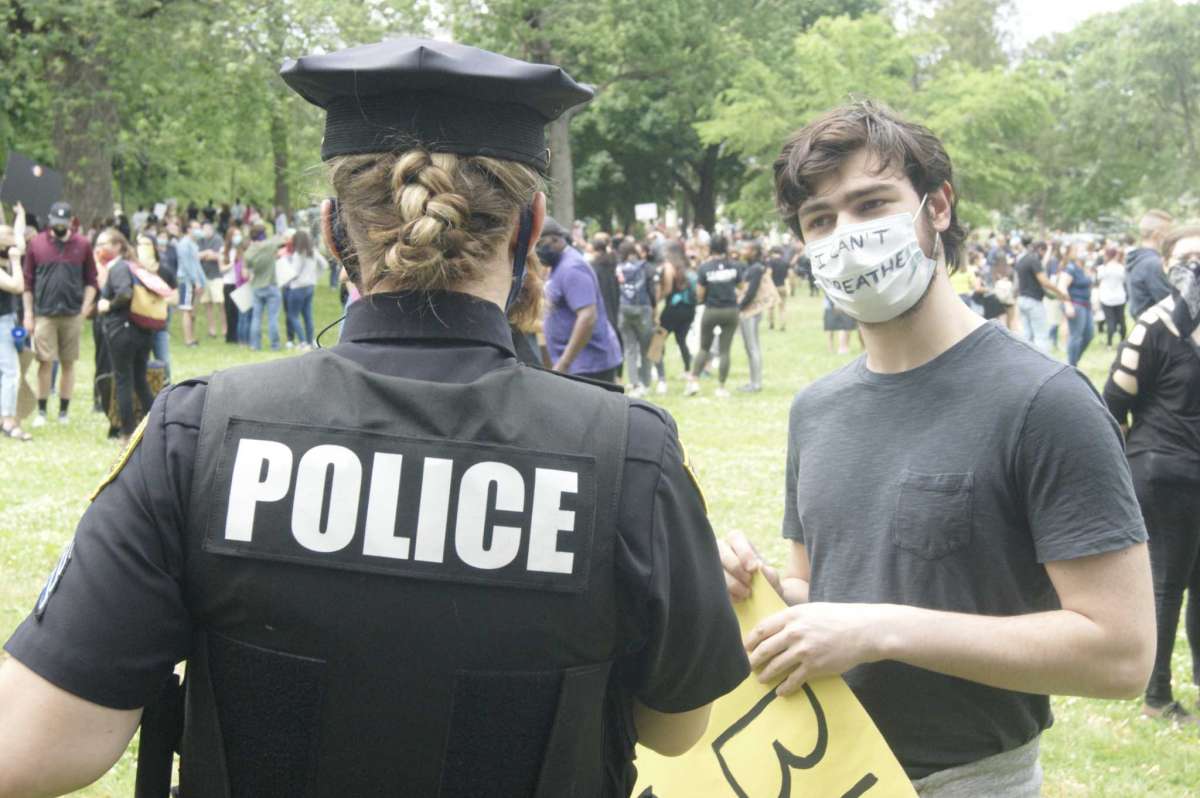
850 196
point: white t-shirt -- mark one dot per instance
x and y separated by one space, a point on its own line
1112 283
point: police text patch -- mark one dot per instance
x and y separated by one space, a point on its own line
421 508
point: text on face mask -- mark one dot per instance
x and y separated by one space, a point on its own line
846 243
893 263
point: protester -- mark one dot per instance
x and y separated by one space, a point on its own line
604 263
1075 283
1033 285
637 298
579 338
837 325
947 550
1147 280
779 268
191 279
12 284
306 263
260 262
1156 377
717 285
758 296
60 291
129 344
679 305
233 237
1111 278
212 295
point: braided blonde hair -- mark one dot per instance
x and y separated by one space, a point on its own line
421 221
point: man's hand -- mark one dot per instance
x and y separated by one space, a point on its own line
740 561
812 640
103 306
28 323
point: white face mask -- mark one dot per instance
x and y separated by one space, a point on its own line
874 271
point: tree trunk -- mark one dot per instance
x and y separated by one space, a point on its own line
562 173
84 135
706 191
279 146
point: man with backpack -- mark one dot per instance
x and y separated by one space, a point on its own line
635 277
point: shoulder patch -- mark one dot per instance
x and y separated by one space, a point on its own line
134 440
687 466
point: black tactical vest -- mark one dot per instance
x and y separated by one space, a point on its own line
403 588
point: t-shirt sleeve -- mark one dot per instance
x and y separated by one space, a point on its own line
578 289
89 270
115 623
793 529
686 647
1072 473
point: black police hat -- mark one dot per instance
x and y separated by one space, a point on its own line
442 96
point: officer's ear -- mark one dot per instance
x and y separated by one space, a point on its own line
538 206
337 241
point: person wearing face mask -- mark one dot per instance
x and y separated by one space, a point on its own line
1156 377
956 573
60 288
411 563
579 337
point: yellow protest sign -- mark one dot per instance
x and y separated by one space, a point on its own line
818 743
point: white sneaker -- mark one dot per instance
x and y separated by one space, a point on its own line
692 388
40 421
721 393
637 391
63 418
661 390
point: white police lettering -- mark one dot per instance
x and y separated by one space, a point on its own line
489 525
251 486
549 519
309 505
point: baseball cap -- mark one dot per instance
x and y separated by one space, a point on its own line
60 214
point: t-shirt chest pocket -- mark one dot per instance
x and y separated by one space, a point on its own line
933 515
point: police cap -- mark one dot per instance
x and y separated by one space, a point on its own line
441 96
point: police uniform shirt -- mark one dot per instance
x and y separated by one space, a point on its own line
114 618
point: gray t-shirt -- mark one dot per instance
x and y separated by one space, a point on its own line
947 487
212 268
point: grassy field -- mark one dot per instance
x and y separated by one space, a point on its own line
1096 748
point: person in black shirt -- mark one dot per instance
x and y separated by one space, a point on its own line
1032 287
1156 377
717 287
779 275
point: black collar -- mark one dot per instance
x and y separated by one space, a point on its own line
438 315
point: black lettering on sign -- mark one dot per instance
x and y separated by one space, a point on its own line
787 759
410 507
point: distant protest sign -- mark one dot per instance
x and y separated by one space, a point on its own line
817 743
646 212
34 185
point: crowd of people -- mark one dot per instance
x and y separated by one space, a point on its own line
219 270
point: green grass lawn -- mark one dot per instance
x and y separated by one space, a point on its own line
1096 748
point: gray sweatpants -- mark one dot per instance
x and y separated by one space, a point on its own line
637 329
1013 774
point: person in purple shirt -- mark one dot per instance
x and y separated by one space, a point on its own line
579 337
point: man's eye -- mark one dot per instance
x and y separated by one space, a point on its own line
870 205
817 222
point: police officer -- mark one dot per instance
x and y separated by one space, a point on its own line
408 564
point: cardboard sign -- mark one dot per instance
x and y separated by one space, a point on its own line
818 743
35 186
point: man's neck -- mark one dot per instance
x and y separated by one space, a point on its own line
940 322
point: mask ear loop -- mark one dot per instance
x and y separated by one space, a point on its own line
520 255
937 236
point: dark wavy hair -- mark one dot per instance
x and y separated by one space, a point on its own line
821 147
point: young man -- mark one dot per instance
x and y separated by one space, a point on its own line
956 572
1032 288
579 337
191 279
60 289
1147 281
